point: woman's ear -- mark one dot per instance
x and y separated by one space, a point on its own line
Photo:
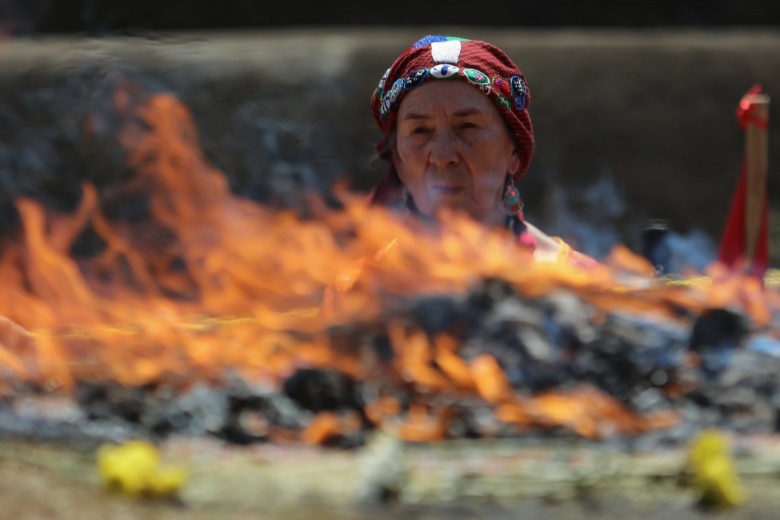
514 162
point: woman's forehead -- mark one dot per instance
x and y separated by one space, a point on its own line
448 96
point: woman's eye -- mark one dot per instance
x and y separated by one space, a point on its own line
467 125
420 130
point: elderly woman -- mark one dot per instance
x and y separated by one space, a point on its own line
454 113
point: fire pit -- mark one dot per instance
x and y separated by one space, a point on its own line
198 290
166 307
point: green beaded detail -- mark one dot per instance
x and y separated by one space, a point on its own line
504 102
476 77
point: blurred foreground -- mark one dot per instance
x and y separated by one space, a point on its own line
454 481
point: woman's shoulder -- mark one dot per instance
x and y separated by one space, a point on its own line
547 247
555 249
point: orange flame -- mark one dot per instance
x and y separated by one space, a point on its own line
213 282
586 410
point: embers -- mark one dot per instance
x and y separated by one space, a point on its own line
549 365
715 335
235 412
322 390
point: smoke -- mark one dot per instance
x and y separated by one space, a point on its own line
595 218
586 219
274 147
274 142
693 250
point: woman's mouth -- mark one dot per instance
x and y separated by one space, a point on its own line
448 190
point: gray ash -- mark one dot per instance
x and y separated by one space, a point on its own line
554 342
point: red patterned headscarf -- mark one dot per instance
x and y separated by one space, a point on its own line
445 58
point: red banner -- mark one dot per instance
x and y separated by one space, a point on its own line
734 247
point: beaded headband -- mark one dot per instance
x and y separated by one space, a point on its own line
479 63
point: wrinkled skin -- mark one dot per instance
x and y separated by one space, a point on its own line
454 150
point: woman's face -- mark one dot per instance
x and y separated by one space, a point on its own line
454 150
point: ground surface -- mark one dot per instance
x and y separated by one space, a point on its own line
455 481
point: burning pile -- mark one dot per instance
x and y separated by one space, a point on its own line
195 311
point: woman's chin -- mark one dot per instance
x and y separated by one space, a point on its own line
460 207
450 204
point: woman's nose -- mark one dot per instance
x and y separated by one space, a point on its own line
444 151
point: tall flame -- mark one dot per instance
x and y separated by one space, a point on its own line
211 282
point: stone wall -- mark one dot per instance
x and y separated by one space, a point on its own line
630 125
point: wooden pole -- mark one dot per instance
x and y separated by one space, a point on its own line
756 160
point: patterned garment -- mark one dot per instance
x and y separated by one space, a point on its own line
447 58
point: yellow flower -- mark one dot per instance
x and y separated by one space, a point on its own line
134 469
712 472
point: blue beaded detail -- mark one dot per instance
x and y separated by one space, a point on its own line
432 38
391 97
415 78
443 70
518 86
